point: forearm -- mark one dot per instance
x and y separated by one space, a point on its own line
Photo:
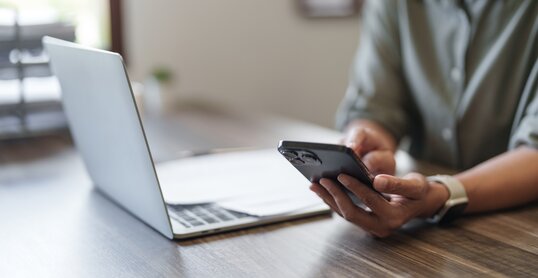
506 180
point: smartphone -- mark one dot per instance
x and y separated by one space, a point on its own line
316 161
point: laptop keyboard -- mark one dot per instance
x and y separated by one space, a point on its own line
203 214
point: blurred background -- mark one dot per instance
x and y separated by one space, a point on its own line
285 57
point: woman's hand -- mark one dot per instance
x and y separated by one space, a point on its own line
374 145
411 196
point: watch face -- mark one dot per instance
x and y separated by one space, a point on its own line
453 213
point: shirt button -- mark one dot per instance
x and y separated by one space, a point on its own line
447 134
455 73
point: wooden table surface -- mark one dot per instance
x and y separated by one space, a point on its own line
54 224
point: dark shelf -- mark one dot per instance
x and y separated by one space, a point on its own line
25 117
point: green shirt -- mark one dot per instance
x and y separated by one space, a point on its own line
460 78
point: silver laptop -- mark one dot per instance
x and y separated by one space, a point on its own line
109 135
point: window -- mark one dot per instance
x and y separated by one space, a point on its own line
29 95
90 17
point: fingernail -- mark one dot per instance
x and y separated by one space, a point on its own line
343 180
381 183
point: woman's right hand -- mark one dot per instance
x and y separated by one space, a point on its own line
373 144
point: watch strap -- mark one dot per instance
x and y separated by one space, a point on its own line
457 200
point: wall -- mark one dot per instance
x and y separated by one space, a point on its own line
254 54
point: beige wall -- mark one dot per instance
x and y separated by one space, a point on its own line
244 53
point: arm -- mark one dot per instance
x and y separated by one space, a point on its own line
507 180
377 92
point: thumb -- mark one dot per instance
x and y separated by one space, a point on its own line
411 186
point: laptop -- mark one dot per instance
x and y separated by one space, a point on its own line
109 135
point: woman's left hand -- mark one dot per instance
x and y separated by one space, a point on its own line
411 196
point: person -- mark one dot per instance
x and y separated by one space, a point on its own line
460 79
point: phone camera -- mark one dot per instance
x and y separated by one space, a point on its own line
310 159
290 155
301 157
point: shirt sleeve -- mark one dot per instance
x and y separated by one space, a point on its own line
526 132
377 89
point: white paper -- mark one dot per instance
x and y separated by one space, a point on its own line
273 203
228 176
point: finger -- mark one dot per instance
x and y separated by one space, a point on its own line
349 211
361 140
355 140
380 162
377 203
328 199
325 196
411 186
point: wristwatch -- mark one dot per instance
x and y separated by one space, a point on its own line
456 203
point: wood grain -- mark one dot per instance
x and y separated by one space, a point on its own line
54 224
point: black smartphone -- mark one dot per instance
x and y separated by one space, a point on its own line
316 161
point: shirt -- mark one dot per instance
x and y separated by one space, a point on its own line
460 78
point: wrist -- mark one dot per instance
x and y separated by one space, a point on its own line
436 198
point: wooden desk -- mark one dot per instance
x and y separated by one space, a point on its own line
55 225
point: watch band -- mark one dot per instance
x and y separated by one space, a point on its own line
457 200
